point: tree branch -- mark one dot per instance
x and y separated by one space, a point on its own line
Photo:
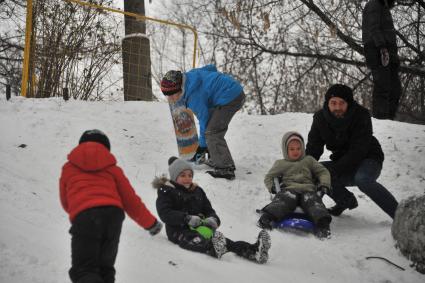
347 39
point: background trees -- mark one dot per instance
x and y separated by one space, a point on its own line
286 53
12 18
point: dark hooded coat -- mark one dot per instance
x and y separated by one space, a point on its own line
175 202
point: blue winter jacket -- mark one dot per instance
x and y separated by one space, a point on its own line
204 89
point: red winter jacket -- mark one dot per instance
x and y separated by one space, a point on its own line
91 178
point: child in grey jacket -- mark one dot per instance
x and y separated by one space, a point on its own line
303 182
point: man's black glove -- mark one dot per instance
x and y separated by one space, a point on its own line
323 190
200 154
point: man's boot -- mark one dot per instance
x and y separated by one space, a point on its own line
339 207
226 173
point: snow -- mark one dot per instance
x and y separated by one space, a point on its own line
34 239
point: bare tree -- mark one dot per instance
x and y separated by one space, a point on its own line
74 48
11 42
287 53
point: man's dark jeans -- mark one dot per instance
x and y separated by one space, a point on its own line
365 179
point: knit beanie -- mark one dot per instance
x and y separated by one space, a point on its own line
171 83
176 166
95 135
341 91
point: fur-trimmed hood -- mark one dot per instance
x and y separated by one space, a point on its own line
161 181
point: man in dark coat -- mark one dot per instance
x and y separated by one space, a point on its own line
345 128
380 47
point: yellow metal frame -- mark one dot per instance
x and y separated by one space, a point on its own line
28 33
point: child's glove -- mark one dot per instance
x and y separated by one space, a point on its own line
210 222
193 220
155 228
323 190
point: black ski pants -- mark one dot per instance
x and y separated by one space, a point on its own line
94 244
285 202
193 241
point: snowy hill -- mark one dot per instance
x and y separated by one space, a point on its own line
36 136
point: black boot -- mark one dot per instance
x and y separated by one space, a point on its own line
257 252
226 173
263 245
219 243
323 230
349 203
265 221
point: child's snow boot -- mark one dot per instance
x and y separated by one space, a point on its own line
323 231
219 243
263 245
265 221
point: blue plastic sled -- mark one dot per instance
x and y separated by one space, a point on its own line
297 222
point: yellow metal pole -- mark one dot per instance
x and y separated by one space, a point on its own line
28 34
144 18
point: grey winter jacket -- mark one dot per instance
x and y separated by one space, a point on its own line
377 25
302 175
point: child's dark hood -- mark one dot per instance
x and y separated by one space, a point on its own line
91 156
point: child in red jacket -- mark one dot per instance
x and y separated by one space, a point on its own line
95 193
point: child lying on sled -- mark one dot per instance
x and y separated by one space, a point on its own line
190 220
299 175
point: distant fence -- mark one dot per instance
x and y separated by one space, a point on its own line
76 45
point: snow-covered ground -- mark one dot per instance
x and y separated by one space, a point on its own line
37 134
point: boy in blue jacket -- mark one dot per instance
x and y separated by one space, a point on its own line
214 98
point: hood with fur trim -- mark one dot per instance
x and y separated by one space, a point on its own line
160 181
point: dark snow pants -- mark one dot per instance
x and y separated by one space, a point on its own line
191 240
286 202
386 82
94 244
365 179
216 130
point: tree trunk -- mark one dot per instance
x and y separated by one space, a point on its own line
136 55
